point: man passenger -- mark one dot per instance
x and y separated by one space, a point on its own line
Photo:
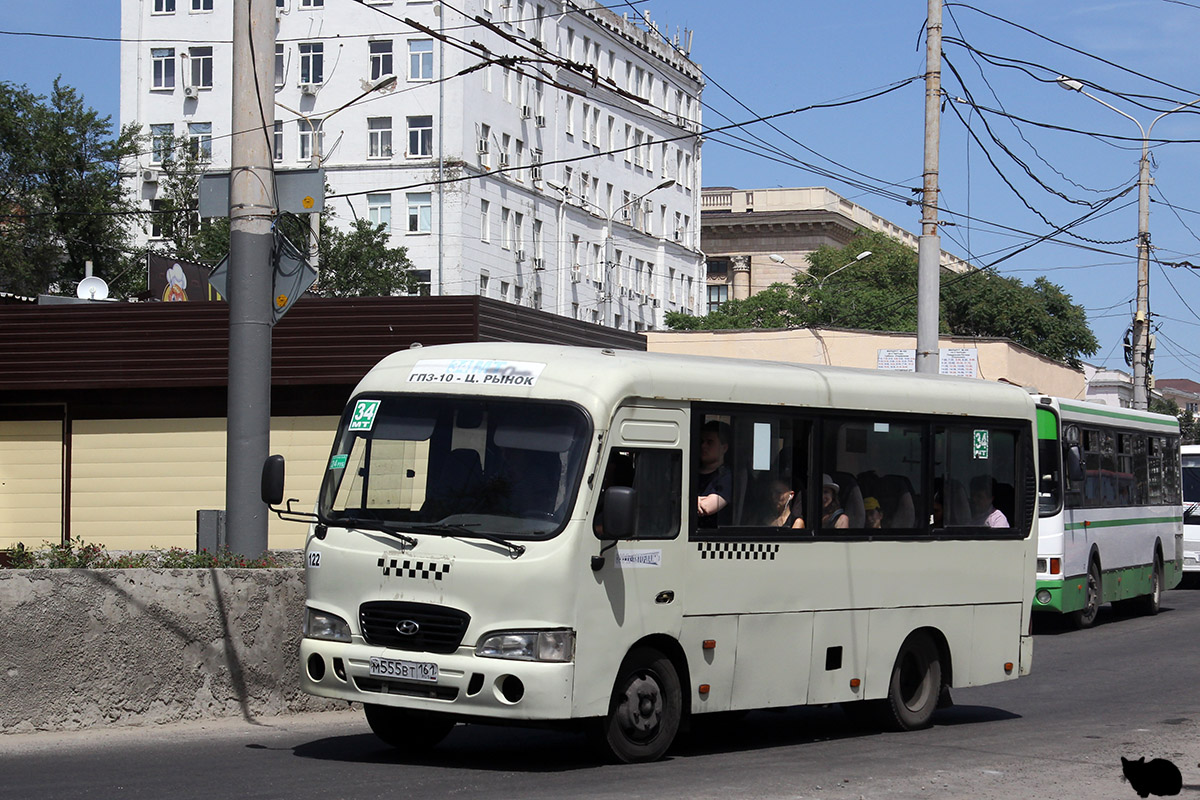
715 483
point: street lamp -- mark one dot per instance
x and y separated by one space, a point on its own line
1141 319
857 259
314 219
610 248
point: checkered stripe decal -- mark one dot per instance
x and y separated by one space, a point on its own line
738 551
406 568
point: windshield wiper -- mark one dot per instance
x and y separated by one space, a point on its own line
515 550
374 525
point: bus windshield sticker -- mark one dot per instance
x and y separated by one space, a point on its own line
338 462
981 445
364 415
477 371
639 558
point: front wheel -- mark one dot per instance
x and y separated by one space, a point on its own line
916 683
645 709
1086 616
405 729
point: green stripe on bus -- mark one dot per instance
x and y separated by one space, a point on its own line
1174 424
1113 523
1047 424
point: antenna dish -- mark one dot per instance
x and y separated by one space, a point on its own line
92 288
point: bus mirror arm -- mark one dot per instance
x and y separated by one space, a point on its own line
598 560
272 492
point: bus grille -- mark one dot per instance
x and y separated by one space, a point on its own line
438 629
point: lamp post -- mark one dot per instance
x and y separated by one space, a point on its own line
610 247
1141 318
314 219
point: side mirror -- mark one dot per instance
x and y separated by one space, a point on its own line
1074 463
272 480
620 513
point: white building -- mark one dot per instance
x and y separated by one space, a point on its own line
503 172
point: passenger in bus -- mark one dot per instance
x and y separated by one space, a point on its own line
715 482
779 513
874 513
832 515
984 512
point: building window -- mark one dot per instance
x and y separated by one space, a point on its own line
483 284
379 210
163 61
164 6
424 285
570 122
505 231
420 136
277 144
485 221
379 137
200 140
420 212
420 59
717 295
312 63
156 218
537 239
160 142
202 66
306 141
202 5
312 3
381 59
279 67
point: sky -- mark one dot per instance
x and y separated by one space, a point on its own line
1020 157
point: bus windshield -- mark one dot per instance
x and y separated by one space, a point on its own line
486 466
1191 488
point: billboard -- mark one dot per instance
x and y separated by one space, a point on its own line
171 280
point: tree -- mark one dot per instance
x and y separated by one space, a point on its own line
174 219
1189 433
879 293
61 199
359 263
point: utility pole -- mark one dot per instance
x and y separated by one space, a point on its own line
251 213
929 246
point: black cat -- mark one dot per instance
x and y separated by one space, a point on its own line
1159 777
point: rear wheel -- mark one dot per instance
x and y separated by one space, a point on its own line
1149 604
1093 591
405 729
645 709
916 683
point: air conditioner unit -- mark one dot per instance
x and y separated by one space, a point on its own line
576 274
309 88
483 147
656 303
535 173
149 176
679 234
504 159
540 120
626 214
525 112
191 91
520 254
539 264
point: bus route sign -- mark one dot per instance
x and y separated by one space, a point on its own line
980 450
364 415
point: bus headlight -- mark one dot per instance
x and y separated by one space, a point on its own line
323 625
528 645
1043 596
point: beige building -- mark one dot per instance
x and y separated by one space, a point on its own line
755 237
989 359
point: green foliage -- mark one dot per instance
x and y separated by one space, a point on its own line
879 294
75 554
359 263
1189 429
61 199
175 219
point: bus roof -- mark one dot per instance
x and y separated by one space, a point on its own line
603 378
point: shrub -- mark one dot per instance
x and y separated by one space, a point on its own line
76 554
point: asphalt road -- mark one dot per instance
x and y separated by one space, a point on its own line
1128 687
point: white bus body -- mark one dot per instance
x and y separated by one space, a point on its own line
1190 469
433 623
1113 533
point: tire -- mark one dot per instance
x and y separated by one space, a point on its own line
405 729
1149 604
645 709
1093 593
916 683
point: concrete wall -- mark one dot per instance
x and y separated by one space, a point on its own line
95 648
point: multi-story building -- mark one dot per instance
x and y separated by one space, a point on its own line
521 142
756 237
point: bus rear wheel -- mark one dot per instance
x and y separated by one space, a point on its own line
405 729
916 683
1149 604
645 709
1093 591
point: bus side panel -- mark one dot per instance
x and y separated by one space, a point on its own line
991 653
772 664
839 654
710 667
891 626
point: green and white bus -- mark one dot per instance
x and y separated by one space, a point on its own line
1111 527
512 533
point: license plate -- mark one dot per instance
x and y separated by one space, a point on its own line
404 670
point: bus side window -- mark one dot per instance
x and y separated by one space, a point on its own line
657 477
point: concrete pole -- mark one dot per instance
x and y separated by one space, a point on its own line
929 246
1141 318
314 218
251 211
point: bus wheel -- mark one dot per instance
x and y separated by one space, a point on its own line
1086 616
916 683
1149 604
645 709
405 729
